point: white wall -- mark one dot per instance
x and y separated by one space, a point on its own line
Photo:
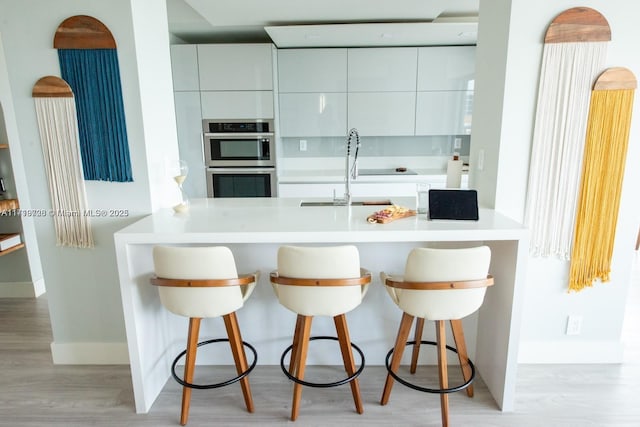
504 114
156 93
21 271
82 284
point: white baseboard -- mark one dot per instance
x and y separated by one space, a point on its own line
17 290
39 288
94 353
595 352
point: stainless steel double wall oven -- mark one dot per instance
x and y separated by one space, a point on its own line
240 157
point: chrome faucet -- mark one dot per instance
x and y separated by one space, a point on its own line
350 170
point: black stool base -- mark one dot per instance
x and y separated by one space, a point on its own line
425 389
220 384
323 385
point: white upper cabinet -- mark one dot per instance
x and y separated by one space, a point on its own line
382 113
446 68
446 77
235 67
313 114
184 66
313 92
382 69
444 113
247 104
312 70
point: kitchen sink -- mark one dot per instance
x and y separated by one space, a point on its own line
353 203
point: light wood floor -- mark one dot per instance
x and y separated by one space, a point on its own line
34 392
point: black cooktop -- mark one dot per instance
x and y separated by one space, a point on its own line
390 171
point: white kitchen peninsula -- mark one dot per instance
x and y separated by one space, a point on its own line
255 228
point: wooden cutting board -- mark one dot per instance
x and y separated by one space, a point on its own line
372 218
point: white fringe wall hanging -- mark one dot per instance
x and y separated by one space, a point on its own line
603 168
56 112
573 56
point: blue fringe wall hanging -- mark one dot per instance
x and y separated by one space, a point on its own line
89 63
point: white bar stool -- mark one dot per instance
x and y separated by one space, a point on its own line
439 285
202 282
320 281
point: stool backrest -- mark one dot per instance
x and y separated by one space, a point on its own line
441 265
334 262
198 263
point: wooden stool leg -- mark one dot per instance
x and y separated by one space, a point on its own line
442 370
461 346
416 348
239 356
295 350
398 349
303 343
347 356
189 366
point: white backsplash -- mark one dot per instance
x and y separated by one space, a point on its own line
376 146
413 152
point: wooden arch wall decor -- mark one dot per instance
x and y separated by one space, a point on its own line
603 169
580 24
89 63
51 87
57 123
574 54
83 32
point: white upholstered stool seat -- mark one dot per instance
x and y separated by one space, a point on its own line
202 282
320 281
439 285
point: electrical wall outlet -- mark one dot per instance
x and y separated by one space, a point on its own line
574 325
303 145
457 143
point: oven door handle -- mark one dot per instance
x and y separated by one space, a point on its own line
237 135
242 170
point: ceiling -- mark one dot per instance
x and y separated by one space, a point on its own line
305 23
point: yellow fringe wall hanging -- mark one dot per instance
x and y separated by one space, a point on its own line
603 168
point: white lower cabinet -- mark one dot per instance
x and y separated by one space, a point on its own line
309 189
313 114
237 104
358 189
385 189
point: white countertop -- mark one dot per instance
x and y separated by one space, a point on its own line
246 220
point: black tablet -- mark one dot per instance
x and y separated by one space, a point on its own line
453 204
